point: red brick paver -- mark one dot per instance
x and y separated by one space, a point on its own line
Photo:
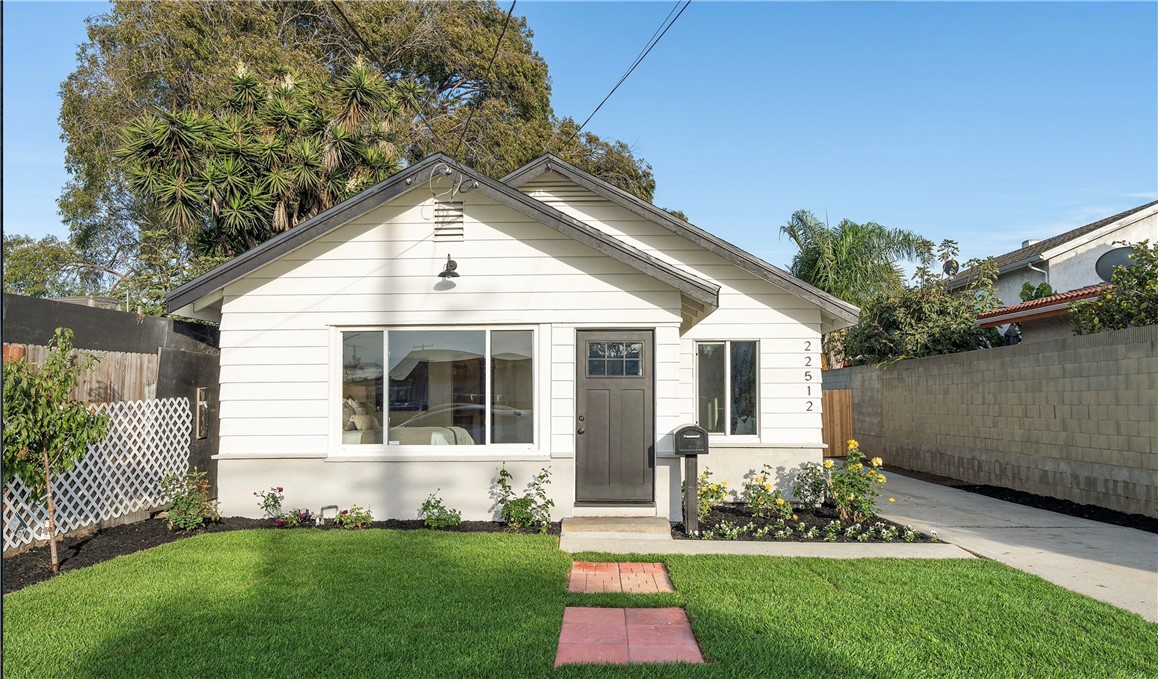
634 578
626 635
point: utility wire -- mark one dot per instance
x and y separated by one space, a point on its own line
353 30
648 47
370 51
490 65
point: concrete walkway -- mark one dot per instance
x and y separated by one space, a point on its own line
1110 563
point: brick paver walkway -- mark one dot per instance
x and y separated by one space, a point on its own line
626 635
633 578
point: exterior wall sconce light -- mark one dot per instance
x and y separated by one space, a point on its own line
449 271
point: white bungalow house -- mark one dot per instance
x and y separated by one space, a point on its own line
582 328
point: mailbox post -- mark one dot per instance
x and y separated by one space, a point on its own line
691 441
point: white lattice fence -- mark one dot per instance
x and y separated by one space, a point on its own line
120 475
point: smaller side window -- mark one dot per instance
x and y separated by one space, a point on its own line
727 387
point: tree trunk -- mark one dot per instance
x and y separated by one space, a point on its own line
51 514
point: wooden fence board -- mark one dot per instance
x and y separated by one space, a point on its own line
118 376
836 419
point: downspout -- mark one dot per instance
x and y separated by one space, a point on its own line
1044 272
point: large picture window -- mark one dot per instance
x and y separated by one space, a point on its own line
443 387
727 378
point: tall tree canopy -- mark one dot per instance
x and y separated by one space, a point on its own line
855 262
170 59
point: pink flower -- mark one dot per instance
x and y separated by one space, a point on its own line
345 512
279 489
279 522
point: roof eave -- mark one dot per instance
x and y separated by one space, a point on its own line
836 307
305 233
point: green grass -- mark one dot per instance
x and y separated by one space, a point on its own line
425 604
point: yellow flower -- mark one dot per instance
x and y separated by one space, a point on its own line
714 487
851 496
1108 296
759 479
881 478
794 517
852 443
877 461
828 464
892 499
779 501
767 486
855 466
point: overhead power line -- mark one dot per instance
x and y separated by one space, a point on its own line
664 26
369 53
490 65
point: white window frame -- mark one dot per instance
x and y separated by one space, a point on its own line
339 451
727 389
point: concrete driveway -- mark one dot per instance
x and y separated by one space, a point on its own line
1110 563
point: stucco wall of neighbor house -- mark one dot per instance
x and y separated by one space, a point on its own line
1074 269
1047 329
1075 418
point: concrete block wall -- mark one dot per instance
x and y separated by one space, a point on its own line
1074 418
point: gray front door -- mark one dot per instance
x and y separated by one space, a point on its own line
615 428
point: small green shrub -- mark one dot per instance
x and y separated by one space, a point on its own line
354 517
437 515
708 494
764 500
855 486
270 501
1132 301
810 487
531 509
189 505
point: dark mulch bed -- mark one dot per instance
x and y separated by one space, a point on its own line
1051 504
31 567
740 515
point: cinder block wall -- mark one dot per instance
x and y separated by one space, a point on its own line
1074 418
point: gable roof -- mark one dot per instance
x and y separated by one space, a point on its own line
834 306
698 289
1046 307
1033 252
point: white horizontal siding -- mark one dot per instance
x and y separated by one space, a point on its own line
381 270
750 309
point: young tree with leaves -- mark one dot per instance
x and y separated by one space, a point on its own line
1132 299
927 319
46 432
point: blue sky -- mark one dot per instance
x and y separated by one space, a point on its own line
988 123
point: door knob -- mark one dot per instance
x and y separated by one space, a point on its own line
581 430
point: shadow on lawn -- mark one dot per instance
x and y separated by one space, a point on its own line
373 603
400 604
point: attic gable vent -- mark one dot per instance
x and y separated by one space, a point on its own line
448 221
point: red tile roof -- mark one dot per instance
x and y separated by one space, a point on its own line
1054 305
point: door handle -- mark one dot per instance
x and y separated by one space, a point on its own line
581 430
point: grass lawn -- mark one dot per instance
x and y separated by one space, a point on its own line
425 604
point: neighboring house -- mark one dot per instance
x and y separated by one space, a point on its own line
1067 261
581 327
1042 319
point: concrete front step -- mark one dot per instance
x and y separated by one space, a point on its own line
614 511
584 528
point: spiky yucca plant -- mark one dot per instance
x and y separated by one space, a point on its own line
271 155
